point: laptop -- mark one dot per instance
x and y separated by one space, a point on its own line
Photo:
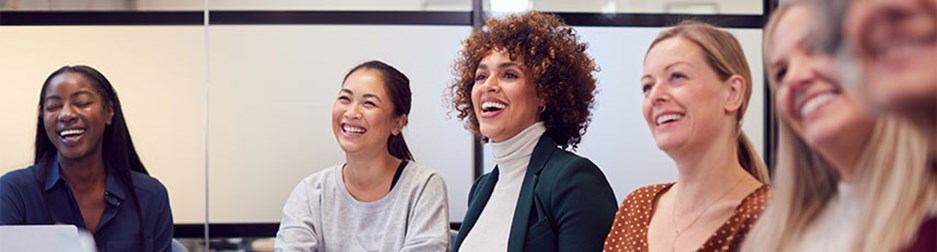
45 238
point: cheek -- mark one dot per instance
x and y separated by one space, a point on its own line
48 121
337 112
782 100
646 110
475 95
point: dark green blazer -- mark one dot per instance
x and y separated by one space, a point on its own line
565 203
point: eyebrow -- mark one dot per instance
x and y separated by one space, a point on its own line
668 67
367 95
80 92
502 65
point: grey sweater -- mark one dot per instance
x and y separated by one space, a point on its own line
320 215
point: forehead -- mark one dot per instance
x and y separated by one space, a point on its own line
498 56
673 50
365 81
69 82
791 29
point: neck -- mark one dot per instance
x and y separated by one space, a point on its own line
712 169
844 152
371 170
85 172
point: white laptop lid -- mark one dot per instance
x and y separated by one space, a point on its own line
44 238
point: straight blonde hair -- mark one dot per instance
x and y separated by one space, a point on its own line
894 184
725 56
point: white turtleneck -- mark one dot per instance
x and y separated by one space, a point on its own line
493 227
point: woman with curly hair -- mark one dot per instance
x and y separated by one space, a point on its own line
696 86
525 85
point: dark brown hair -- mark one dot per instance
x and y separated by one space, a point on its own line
555 60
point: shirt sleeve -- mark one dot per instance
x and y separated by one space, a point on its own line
297 228
164 223
428 228
10 206
585 206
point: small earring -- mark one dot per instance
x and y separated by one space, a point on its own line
543 108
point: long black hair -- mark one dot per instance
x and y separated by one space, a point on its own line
120 157
398 87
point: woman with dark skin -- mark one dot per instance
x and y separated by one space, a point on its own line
86 168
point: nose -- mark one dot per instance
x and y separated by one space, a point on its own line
67 114
800 73
659 93
353 112
492 84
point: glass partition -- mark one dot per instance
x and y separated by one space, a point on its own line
230 116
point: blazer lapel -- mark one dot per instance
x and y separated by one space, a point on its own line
476 206
538 160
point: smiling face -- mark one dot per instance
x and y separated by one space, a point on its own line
896 43
684 99
75 116
809 96
504 100
362 116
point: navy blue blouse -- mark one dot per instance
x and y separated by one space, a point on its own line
22 203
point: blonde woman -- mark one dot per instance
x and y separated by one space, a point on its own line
696 85
845 181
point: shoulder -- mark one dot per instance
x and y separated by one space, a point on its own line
147 186
316 181
21 177
753 205
563 164
421 172
644 195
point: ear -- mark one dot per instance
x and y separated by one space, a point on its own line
398 125
735 93
109 114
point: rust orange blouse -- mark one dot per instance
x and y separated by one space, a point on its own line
629 231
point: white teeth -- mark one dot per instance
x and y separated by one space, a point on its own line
70 132
496 105
668 117
908 45
815 103
353 129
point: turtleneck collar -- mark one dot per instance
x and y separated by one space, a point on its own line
518 148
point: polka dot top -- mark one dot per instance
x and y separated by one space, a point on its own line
629 231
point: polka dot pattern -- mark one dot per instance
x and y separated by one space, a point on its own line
629 231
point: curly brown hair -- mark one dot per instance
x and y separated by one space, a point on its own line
555 60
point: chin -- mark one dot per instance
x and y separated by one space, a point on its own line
665 144
821 136
911 96
72 153
488 132
349 148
